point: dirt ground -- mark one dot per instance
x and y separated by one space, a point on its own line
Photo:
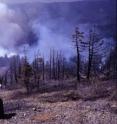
87 105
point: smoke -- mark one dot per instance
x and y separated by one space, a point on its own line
15 30
19 28
42 1
50 39
42 26
10 30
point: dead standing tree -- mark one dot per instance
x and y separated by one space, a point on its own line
63 68
95 51
95 46
77 38
1 109
36 72
56 65
43 68
27 73
53 65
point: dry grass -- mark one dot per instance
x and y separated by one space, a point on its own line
44 117
62 107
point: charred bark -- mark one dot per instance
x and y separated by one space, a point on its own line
1 109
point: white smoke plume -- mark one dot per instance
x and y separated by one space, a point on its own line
53 24
14 29
10 31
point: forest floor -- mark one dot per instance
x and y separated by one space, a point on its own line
90 104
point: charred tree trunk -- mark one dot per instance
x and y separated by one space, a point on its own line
58 70
1 109
50 67
43 64
90 62
116 67
78 64
89 67
77 39
1 81
11 79
54 73
38 82
63 69
5 79
92 38
116 64
16 78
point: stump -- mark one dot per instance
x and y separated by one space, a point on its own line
1 109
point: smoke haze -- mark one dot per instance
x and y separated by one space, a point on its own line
41 26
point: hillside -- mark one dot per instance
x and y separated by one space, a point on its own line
67 106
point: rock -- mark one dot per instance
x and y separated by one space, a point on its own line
34 109
24 114
114 109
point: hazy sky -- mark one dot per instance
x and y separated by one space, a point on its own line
23 1
48 1
53 24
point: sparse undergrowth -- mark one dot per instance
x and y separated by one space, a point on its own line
87 105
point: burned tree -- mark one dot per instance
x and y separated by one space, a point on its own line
6 78
77 38
36 72
43 68
15 69
53 65
11 72
63 68
1 109
26 74
50 66
94 46
1 81
35 66
58 66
